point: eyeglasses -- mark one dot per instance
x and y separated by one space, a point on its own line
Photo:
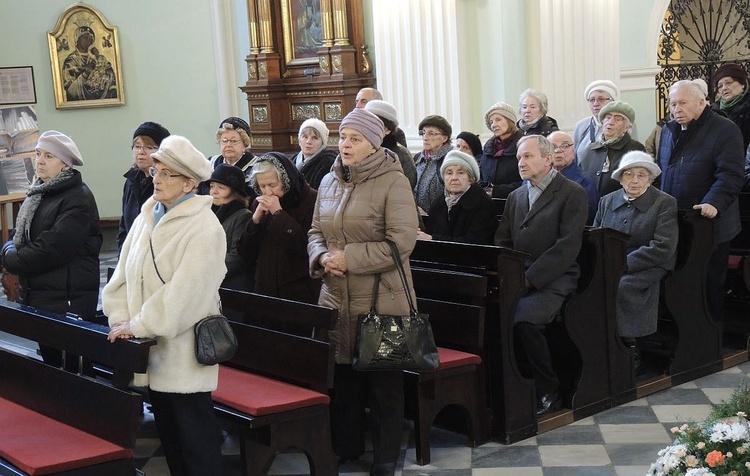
562 147
430 134
145 148
163 174
629 175
230 141
599 100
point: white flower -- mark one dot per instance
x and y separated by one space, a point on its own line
729 430
669 458
699 472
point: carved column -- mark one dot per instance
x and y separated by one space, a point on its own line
343 54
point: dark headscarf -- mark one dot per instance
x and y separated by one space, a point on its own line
293 181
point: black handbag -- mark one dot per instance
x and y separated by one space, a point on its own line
387 342
215 341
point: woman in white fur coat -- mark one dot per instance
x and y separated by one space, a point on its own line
167 279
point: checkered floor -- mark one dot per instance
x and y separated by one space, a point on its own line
622 441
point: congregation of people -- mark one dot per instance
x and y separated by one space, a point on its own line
313 226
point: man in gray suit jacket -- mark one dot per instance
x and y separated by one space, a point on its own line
544 218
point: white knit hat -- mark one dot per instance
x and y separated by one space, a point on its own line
179 155
636 158
318 125
456 157
383 109
602 85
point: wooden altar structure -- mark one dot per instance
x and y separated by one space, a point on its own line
307 59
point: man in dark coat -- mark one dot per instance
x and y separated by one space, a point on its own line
701 158
563 157
544 218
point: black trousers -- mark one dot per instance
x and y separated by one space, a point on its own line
383 393
189 432
533 356
716 277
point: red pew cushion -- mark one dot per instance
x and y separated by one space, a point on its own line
259 396
37 444
450 358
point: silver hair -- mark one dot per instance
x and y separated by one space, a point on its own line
545 146
538 95
229 127
694 88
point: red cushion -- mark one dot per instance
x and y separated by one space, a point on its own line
37 444
734 261
450 358
259 396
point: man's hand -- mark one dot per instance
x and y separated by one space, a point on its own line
707 210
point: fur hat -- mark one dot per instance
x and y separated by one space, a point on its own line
383 109
734 70
636 158
502 108
472 140
618 107
237 123
61 146
154 130
318 125
602 85
179 155
231 176
367 124
456 157
437 121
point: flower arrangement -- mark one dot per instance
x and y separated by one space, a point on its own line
720 446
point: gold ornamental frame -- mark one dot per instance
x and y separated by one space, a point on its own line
84 54
298 18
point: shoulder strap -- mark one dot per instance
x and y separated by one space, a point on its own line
153 257
402 274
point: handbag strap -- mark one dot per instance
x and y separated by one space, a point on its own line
402 275
153 257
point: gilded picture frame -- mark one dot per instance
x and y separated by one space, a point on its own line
303 31
84 54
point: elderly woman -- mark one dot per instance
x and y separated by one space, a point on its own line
175 248
56 242
469 143
227 184
275 239
387 113
363 202
730 81
314 160
435 132
649 217
603 155
532 106
465 214
233 138
499 166
138 185
598 94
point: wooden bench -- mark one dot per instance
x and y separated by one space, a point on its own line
275 391
458 383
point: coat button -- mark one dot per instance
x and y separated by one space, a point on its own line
625 221
289 231
598 173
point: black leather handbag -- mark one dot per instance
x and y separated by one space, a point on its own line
387 342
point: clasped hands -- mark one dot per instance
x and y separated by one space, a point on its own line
334 262
266 204
121 330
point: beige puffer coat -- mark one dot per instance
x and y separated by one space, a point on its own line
376 204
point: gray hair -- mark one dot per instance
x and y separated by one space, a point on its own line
540 97
694 88
545 146
229 127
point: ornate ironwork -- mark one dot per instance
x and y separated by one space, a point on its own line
698 36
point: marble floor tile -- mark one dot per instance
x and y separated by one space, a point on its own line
635 433
681 413
574 455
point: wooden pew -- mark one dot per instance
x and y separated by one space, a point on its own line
274 390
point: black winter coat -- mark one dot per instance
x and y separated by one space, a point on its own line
704 164
740 115
471 220
316 168
137 189
500 172
545 126
59 268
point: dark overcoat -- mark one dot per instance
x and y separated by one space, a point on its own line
471 220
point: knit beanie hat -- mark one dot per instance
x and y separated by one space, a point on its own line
318 125
602 85
502 108
383 109
472 140
231 176
237 123
730 69
437 121
618 107
154 130
456 157
367 124
179 155
61 146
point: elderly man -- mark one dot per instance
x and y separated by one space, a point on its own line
701 158
563 160
544 218
366 95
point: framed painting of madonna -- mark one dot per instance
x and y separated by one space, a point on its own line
85 58
303 31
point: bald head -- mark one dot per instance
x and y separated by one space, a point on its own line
563 152
366 95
